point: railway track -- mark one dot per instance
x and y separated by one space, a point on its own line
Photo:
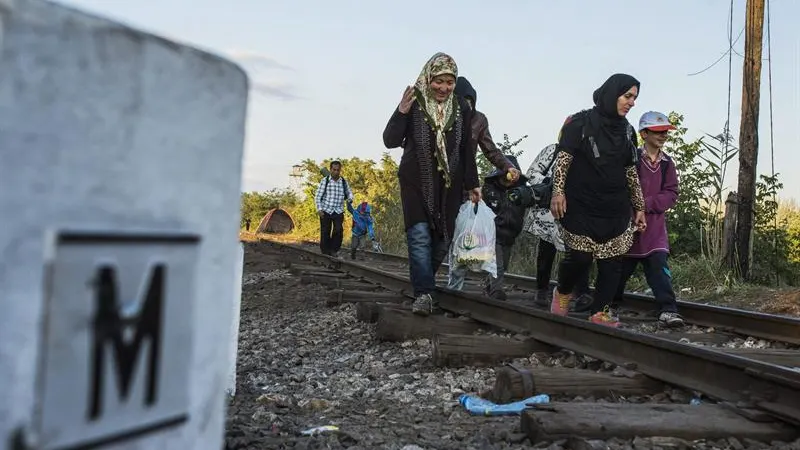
754 388
640 308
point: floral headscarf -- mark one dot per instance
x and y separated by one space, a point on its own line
440 116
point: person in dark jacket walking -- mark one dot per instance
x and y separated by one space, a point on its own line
507 223
480 131
436 170
659 180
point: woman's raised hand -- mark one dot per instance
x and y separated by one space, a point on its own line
407 100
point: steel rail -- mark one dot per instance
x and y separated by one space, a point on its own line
724 377
750 323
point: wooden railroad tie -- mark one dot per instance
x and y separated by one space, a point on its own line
456 350
339 296
514 383
340 283
395 325
555 421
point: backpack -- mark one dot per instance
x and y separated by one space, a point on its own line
596 151
543 192
325 189
366 213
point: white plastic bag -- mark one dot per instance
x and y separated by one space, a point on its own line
473 245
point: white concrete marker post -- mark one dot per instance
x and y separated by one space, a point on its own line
233 348
120 172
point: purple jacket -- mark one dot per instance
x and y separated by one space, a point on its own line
656 203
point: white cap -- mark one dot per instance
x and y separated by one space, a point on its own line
656 121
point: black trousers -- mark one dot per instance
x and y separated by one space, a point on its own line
576 266
658 276
331 231
545 256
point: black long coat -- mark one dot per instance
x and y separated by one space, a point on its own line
415 136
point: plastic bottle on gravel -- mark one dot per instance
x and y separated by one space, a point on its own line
479 406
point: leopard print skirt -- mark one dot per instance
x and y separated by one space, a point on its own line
616 246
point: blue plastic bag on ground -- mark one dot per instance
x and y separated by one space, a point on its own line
474 238
481 407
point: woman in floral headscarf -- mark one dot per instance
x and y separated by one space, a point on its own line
437 167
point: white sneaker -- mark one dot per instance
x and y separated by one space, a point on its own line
671 319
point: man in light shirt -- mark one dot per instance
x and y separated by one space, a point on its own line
331 194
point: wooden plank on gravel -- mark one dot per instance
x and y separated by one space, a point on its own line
320 274
396 325
555 421
779 356
323 279
369 311
517 383
456 350
339 283
302 269
341 296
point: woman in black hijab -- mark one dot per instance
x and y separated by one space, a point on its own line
596 191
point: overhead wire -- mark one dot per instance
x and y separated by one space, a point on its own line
771 133
730 47
727 131
769 70
729 53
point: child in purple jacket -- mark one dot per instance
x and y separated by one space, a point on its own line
659 181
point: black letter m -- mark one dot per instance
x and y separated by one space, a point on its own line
108 327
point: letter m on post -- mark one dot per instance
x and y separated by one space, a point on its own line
118 336
122 336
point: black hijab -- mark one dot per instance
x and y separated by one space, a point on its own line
464 89
609 128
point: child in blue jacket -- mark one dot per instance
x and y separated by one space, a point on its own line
362 226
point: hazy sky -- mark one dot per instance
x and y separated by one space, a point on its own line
327 74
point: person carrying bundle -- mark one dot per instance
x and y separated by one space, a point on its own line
508 225
436 170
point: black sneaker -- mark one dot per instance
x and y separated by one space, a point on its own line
498 295
423 305
542 297
583 303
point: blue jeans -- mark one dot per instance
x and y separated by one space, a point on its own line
425 254
658 276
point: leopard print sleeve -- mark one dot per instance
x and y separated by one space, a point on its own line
635 188
560 169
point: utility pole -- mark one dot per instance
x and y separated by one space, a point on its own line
748 131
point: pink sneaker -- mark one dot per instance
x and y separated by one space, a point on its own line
605 317
559 305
